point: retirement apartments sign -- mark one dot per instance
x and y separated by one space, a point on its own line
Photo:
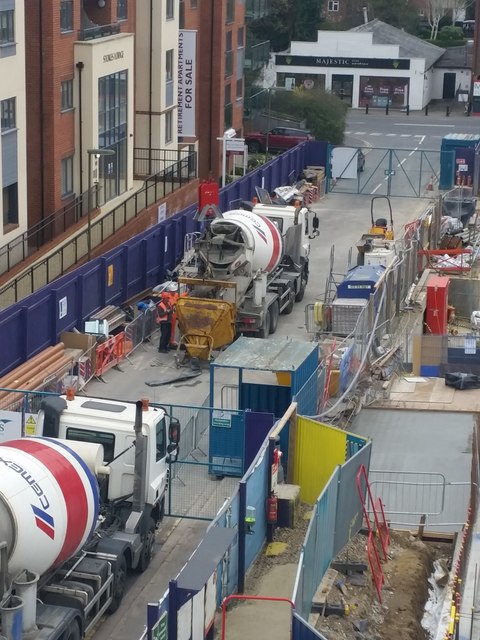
186 82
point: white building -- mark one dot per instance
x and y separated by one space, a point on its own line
13 156
374 64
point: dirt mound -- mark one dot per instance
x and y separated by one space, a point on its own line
404 594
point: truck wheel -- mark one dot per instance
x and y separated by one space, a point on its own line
254 147
147 549
274 313
291 302
265 329
119 582
73 633
301 291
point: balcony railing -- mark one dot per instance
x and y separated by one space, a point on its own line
44 231
100 31
257 9
149 162
257 55
157 186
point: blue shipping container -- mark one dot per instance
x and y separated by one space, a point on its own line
457 155
360 281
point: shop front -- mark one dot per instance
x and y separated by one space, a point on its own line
382 91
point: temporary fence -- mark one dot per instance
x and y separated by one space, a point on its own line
419 499
336 518
363 330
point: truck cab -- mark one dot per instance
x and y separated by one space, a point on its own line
111 424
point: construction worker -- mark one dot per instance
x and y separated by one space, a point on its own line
166 315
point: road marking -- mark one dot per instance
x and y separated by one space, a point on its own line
422 138
360 133
407 124
405 135
412 152
375 134
391 135
376 188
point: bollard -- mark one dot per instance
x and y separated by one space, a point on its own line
447 111
426 110
408 109
366 109
386 110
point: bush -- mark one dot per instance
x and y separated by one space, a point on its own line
323 112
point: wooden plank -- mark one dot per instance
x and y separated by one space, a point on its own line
324 588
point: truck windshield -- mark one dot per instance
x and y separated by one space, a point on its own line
97 437
161 440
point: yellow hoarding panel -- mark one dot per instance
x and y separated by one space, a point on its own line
319 448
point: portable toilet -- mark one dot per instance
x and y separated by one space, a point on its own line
457 159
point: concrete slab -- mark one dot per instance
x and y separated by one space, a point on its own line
265 619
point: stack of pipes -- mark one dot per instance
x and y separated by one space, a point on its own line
34 374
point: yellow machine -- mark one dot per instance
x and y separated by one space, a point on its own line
380 226
380 236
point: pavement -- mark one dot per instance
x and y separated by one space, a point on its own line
264 618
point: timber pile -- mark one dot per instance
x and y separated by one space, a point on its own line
49 365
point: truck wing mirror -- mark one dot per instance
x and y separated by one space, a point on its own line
315 225
172 451
174 431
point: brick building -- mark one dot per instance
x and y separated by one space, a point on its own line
101 74
13 138
220 51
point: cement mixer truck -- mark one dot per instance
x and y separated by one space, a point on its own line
78 509
241 273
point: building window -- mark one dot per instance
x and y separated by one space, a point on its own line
228 55
66 15
67 176
113 134
7 114
170 10
230 11
10 204
168 126
66 89
241 38
169 78
239 88
333 5
122 9
7 27
193 4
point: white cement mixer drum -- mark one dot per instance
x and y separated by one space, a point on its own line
262 236
48 503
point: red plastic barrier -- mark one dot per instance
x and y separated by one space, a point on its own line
110 353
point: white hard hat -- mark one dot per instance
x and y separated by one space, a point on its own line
171 286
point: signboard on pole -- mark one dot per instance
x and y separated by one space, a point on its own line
187 42
235 145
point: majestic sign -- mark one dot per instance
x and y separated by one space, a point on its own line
325 61
187 41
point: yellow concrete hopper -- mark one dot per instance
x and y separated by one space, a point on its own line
205 324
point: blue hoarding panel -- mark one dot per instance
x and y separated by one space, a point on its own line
65 302
114 270
12 352
93 290
39 324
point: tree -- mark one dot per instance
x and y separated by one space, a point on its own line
324 114
288 20
398 13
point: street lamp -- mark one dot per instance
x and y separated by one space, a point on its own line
97 153
229 134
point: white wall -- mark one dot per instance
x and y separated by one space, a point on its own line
462 81
12 85
343 43
103 57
